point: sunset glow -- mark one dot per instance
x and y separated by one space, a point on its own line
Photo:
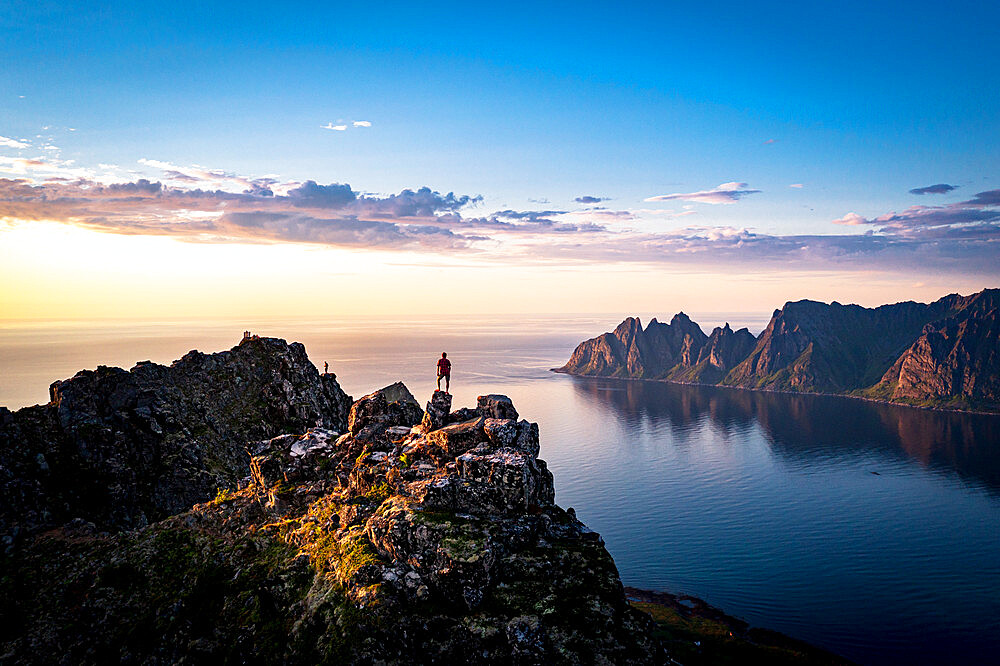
645 188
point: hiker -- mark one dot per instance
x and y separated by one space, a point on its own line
444 370
326 368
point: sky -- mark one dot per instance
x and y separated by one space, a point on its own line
239 159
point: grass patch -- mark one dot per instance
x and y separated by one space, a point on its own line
702 635
356 553
378 493
223 495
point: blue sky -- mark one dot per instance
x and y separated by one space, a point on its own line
529 106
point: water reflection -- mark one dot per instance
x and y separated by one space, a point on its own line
802 428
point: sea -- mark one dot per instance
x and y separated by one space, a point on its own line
867 529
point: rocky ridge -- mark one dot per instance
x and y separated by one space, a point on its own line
396 535
123 448
943 354
955 361
678 351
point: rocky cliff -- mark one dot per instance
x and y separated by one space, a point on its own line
121 449
939 354
678 351
397 535
723 350
955 362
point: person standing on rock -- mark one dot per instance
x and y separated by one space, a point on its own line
444 370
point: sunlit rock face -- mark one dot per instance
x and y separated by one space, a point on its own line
634 352
939 354
123 448
953 361
389 536
942 354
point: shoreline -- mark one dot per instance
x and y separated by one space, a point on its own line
698 633
560 371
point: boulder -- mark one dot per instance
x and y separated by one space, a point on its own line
502 433
496 406
512 481
527 438
463 414
436 414
391 406
454 440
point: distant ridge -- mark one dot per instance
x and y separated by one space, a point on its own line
945 354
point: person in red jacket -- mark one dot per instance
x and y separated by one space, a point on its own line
444 370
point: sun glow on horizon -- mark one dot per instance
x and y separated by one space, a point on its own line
56 271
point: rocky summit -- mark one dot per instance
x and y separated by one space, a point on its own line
396 535
121 449
942 354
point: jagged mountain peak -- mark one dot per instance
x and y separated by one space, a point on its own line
812 346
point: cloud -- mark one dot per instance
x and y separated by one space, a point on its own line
362 123
196 174
331 126
340 232
982 211
141 186
737 249
797 186
45 167
983 199
967 231
533 215
661 213
538 222
726 193
333 214
171 174
770 141
851 219
962 237
587 199
603 214
940 188
13 143
311 195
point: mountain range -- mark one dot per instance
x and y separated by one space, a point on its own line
943 354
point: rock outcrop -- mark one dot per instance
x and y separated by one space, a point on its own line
634 352
678 351
810 346
955 362
121 449
410 538
724 350
942 354
814 347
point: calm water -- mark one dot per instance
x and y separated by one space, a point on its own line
873 531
